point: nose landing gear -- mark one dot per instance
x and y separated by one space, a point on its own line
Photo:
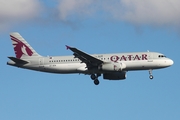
95 78
150 74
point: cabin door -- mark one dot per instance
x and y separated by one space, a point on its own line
41 62
150 57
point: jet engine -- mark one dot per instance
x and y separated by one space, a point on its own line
112 66
115 76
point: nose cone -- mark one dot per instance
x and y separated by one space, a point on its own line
169 62
165 62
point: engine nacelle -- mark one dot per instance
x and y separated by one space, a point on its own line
112 66
115 76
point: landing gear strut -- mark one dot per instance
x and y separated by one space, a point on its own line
95 78
150 74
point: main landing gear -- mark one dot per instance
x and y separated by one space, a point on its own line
95 78
150 74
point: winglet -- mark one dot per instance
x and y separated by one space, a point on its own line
67 47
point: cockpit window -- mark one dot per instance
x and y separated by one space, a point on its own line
161 56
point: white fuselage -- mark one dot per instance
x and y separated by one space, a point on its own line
69 64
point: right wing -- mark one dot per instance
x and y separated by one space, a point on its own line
89 60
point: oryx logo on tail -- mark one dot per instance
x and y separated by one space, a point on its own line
20 48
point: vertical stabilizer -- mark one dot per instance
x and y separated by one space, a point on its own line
21 48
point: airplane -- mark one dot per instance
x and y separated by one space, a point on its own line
112 66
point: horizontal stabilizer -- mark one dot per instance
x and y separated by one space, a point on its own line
18 61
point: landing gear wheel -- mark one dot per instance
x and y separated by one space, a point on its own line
96 82
150 74
93 76
151 77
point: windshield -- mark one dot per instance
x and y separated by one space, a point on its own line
161 56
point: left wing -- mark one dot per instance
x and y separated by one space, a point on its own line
85 58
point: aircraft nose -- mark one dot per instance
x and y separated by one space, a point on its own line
170 62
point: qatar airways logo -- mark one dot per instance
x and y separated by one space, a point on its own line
115 58
20 48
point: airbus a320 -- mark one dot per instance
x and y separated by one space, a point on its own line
111 66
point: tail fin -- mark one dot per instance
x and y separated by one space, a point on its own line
21 48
